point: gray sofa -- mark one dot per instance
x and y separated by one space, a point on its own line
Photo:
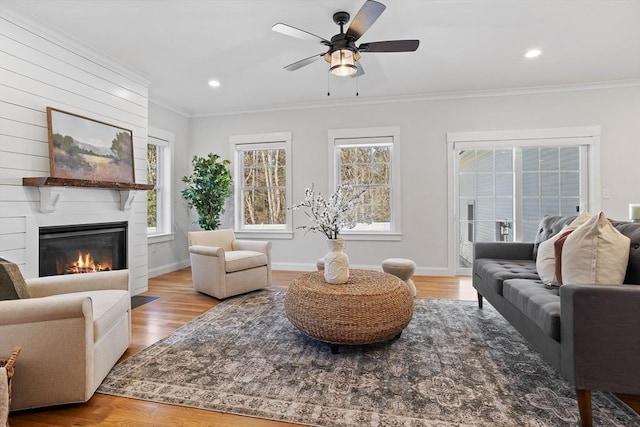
589 333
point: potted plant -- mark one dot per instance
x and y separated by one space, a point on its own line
207 189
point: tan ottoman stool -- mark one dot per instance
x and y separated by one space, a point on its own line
403 269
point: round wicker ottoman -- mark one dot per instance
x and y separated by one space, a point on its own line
371 307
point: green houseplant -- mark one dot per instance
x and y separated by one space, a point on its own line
207 189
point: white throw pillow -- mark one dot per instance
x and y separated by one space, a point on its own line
595 253
546 258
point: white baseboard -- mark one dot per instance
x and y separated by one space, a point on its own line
420 271
168 268
292 266
433 271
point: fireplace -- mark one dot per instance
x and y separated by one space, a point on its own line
84 248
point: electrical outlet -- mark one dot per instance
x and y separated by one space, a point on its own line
606 193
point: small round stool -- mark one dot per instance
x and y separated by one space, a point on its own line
320 264
403 269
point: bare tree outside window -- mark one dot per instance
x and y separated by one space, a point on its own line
152 178
264 186
368 167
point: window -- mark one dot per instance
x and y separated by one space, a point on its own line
367 159
503 184
159 174
262 177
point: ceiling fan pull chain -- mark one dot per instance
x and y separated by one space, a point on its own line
357 86
328 86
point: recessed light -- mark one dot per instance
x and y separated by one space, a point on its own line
214 83
533 53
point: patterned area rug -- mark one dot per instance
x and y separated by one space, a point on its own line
453 365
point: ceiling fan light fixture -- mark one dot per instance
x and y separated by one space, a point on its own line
343 63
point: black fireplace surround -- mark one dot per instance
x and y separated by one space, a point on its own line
83 248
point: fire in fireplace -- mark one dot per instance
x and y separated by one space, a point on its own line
85 264
83 248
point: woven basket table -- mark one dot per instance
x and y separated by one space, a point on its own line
371 307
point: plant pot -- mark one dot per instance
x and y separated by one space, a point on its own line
336 263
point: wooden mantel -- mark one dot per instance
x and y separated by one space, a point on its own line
51 189
50 181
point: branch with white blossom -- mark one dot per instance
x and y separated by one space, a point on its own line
329 216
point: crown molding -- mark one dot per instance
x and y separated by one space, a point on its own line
436 97
16 16
169 106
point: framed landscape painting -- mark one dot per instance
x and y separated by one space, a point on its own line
83 148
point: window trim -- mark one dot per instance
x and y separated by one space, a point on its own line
507 138
166 140
392 132
261 141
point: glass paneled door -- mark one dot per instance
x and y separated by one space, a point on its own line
503 193
485 199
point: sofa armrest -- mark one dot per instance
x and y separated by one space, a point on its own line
252 245
68 283
213 251
503 250
600 339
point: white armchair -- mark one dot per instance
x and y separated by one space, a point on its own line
72 330
222 266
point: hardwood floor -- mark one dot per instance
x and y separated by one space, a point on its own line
178 303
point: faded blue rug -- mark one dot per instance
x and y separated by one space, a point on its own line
453 365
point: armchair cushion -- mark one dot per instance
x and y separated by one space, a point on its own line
12 284
243 260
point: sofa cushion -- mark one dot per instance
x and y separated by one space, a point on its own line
550 226
557 248
595 253
108 306
632 231
243 260
546 258
494 272
537 301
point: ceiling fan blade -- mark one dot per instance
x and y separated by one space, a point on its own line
288 30
366 16
390 46
360 70
303 62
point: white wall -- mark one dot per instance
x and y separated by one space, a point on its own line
423 127
173 254
41 68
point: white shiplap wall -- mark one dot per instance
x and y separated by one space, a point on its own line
40 68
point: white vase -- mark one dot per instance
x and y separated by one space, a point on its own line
336 263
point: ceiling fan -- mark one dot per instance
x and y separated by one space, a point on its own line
343 54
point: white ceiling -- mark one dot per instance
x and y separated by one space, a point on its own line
465 46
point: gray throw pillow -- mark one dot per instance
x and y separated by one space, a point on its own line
12 284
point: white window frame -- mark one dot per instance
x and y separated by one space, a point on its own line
164 140
588 135
369 136
262 141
